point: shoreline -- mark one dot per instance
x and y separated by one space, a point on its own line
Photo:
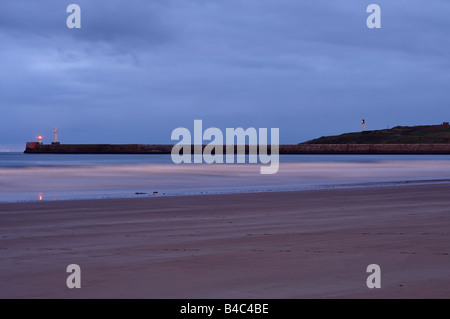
255 191
305 244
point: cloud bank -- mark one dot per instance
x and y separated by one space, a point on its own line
137 70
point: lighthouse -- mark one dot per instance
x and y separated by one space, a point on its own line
363 122
55 131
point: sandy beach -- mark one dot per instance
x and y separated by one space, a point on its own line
302 244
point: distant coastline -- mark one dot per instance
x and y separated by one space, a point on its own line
429 139
424 134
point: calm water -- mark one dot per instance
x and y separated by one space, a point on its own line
52 176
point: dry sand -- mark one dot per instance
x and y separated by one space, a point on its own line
307 244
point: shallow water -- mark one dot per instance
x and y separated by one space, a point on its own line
56 176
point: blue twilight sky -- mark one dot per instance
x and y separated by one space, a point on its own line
137 69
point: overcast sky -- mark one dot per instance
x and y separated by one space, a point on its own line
137 69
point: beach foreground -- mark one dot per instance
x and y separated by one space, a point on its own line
304 244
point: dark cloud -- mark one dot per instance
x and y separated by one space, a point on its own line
138 69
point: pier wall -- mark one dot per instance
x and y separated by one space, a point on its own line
33 147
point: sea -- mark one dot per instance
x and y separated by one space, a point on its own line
46 177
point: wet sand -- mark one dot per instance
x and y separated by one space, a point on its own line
305 244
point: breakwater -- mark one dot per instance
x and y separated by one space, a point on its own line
34 147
